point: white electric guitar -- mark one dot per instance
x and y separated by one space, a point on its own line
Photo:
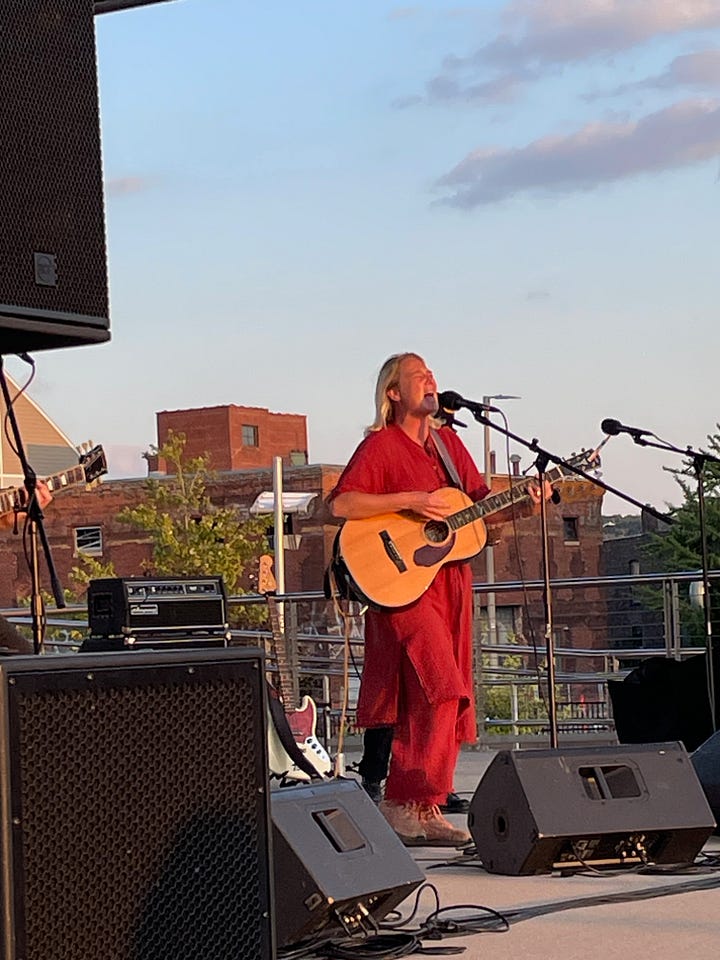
302 720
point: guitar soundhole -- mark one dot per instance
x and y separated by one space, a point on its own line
436 531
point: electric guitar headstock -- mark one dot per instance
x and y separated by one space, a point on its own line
93 461
266 583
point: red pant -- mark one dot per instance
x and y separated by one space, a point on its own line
424 747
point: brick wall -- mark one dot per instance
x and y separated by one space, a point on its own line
130 551
218 431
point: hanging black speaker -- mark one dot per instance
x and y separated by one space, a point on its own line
339 867
135 814
53 273
535 811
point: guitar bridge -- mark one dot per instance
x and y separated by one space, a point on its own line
392 551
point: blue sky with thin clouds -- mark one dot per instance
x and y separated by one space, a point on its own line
525 192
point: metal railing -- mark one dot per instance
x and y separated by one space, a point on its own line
603 628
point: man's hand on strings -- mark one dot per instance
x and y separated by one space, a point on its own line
435 506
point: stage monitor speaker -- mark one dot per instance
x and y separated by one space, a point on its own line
706 762
53 271
535 811
339 867
135 815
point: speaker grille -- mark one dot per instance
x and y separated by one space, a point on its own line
139 815
52 244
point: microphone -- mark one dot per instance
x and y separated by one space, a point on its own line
449 400
614 427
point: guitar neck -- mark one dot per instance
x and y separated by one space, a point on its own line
287 690
515 493
69 477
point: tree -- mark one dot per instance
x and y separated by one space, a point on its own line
680 548
191 536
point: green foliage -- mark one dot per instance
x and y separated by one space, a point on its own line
681 547
90 568
498 696
190 535
53 634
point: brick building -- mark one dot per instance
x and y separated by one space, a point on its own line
235 438
242 442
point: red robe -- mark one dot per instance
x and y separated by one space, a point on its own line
435 632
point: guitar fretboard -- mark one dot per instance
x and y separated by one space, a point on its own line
498 501
69 477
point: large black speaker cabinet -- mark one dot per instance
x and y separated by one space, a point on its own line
706 761
535 811
53 273
337 862
135 818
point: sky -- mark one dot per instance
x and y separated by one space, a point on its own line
525 192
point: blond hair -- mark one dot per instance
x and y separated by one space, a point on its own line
388 378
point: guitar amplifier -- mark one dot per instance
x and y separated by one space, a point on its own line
135 608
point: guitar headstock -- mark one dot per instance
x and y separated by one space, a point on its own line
266 582
93 462
586 460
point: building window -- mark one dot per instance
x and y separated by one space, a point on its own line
570 530
298 458
634 568
250 435
89 540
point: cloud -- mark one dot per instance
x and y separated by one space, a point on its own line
123 186
701 69
404 13
564 31
680 135
542 38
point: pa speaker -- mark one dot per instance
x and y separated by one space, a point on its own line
535 811
706 761
338 865
135 814
53 273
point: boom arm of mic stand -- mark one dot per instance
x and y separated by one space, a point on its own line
553 458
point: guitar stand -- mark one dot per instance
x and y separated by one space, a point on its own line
34 524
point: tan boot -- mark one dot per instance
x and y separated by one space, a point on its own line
405 821
439 831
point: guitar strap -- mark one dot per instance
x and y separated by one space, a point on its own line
446 459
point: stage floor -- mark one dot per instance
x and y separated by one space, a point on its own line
664 915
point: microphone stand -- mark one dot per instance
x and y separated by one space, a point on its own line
699 459
543 457
37 530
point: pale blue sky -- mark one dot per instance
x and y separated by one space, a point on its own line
525 192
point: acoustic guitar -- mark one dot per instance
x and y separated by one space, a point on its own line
394 557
